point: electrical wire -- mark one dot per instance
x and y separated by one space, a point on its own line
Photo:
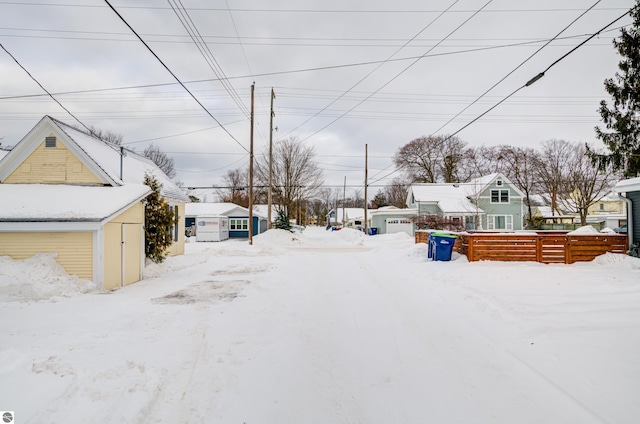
373 70
174 76
400 73
44 89
516 68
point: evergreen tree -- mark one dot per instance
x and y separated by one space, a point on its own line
282 221
623 118
159 220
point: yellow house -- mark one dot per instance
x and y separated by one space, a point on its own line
66 192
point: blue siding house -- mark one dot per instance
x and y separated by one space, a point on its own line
490 203
238 217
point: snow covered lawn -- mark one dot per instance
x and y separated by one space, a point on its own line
324 327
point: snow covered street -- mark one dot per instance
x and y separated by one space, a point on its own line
329 327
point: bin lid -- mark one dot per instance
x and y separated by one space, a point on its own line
443 235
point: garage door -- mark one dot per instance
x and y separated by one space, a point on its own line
399 225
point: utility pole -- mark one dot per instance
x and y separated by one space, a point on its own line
366 182
251 170
270 201
344 199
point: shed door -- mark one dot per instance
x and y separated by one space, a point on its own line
132 248
399 225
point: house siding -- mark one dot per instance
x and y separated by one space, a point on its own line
74 249
52 165
513 208
428 209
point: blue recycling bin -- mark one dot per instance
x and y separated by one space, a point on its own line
441 246
372 231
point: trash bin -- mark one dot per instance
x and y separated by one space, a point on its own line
441 246
372 231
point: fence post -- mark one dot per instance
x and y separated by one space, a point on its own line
539 249
567 251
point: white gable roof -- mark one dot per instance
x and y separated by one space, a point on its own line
450 198
102 158
214 209
42 202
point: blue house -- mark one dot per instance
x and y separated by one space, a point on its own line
490 203
238 218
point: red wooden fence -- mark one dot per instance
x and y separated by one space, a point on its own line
540 247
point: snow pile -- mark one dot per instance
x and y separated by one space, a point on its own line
619 260
584 231
351 236
39 278
278 237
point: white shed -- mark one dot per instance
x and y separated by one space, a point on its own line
212 228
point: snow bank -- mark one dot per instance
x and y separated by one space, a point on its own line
586 230
278 237
351 236
39 278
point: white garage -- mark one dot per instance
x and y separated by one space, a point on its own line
399 225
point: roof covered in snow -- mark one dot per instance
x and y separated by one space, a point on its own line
215 209
102 158
632 184
450 198
43 202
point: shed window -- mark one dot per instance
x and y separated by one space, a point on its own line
50 142
238 224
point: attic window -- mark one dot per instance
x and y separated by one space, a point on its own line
50 142
499 183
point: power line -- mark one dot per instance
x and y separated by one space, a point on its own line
315 10
266 74
205 52
517 67
45 90
174 75
527 84
400 73
373 70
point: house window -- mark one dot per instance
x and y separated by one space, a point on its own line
499 183
601 206
499 196
50 142
500 222
238 224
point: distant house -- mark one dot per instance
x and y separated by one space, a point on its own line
68 193
238 217
349 217
630 191
491 202
390 220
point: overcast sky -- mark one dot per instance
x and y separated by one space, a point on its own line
345 74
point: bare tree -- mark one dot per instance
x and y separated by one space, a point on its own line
419 159
585 184
519 165
552 171
106 135
452 151
160 158
235 183
480 161
296 176
396 192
